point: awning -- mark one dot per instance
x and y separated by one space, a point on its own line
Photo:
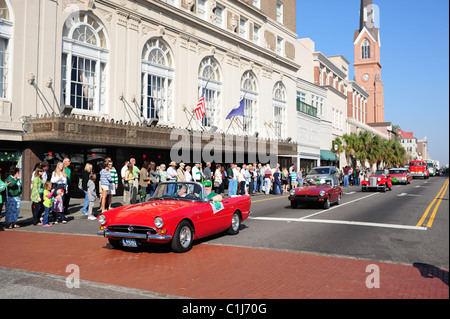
326 155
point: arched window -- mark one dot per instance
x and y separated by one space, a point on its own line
84 63
6 32
365 49
249 92
210 85
279 102
157 81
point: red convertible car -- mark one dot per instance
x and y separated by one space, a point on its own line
377 181
322 191
178 213
400 175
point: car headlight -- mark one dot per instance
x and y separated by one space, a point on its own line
322 193
102 219
378 179
292 192
159 222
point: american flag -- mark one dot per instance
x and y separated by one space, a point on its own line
200 110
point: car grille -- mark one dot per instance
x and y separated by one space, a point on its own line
132 229
306 196
373 181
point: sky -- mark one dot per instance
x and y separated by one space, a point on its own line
414 58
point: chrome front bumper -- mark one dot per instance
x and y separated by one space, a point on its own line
145 237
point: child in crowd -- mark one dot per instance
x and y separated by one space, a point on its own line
48 193
58 206
92 195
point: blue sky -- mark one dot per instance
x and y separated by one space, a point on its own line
414 55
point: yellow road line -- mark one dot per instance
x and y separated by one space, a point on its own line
262 200
430 221
432 203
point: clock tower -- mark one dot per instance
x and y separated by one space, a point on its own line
367 60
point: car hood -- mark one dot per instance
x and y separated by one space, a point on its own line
146 212
313 189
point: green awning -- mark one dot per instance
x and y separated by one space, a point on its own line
326 155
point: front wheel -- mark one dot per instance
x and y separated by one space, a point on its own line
235 224
183 238
327 203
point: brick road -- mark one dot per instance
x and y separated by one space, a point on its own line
219 272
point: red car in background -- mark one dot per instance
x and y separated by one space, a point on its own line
418 168
320 191
400 176
377 181
178 213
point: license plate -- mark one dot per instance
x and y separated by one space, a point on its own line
129 242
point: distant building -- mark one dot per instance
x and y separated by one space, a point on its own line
409 142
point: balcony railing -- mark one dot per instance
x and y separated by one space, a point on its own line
306 108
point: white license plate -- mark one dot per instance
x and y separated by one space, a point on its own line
129 242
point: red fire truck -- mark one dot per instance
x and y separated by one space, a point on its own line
418 168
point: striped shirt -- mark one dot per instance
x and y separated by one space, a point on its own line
105 177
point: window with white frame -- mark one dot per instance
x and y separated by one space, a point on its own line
249 92
279 12
219 16
279 102
243 28
6 32
157 81
279 46
365 49
201 9
210 85
85 57
256 33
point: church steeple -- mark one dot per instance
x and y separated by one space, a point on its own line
364 14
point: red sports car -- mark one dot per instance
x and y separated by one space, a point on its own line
178 213
320 190
400 175
377 181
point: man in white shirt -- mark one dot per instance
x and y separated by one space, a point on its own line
196 173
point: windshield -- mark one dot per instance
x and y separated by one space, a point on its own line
430 165
319 170
416 164
397 171
378 173
179 190
319 181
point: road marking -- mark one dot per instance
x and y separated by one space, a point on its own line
341 222
262 200
337 206
406 194
430 221
421 221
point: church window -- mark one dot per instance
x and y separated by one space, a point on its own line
365 49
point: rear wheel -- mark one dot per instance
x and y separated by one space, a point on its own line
235 224
183 238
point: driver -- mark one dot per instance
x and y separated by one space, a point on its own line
209 194
182 192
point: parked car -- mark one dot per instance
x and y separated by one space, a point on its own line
322 191
377 181
400 176
324 172
178 213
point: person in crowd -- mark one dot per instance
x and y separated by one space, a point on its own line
346 175
300 177
114 182
59 180
13 201
197 172
130 177
277 182
241 180
293 176
47 202
207 174
144 181
92 195
180 173
187 174
267 179
171 177
152 182
68 193
105 182
284 178
231 180
58 207
36 196
84 181
3 186
217 179
125 188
